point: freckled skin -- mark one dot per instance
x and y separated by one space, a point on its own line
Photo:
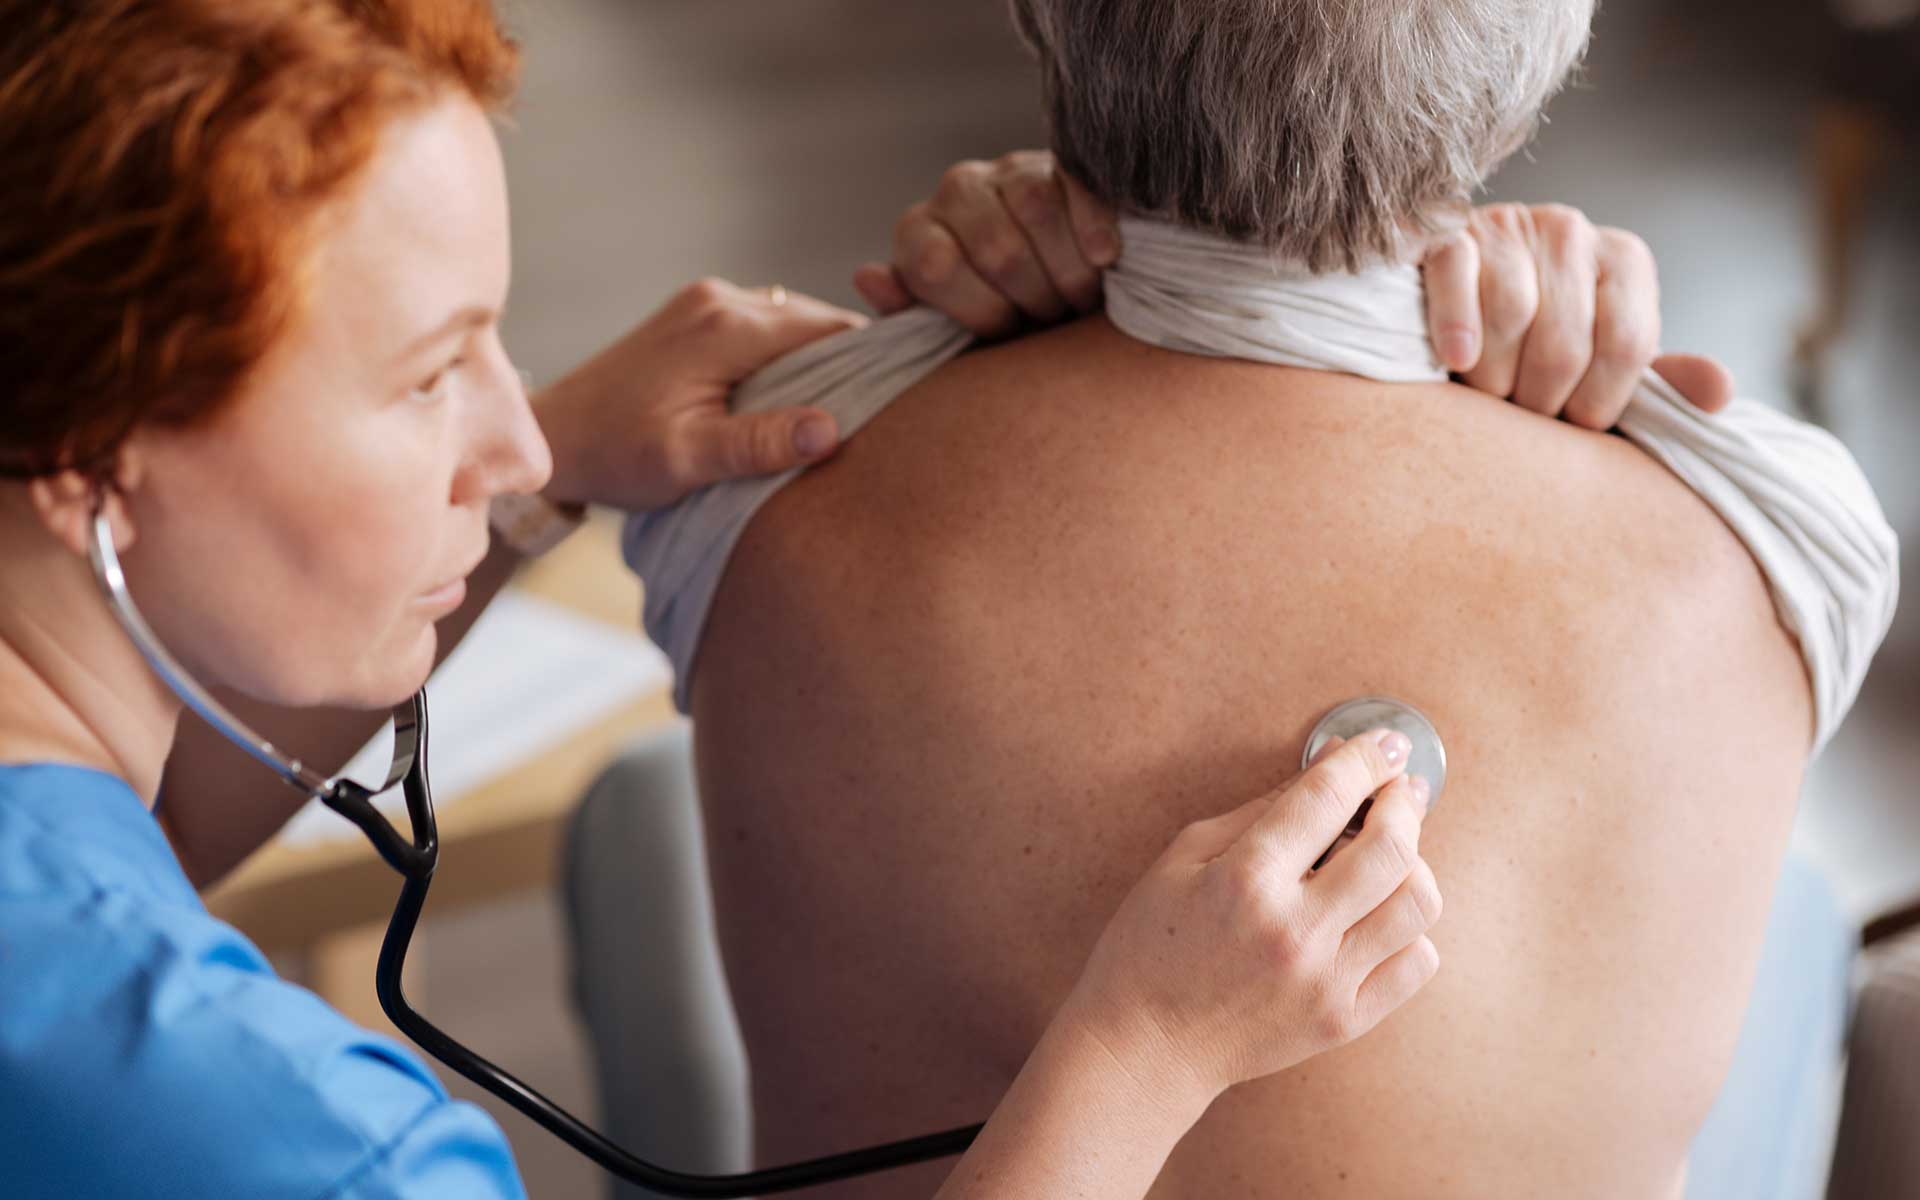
966 681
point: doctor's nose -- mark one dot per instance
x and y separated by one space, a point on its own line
508 453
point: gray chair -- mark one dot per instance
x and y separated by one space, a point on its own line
647 978
1877 1153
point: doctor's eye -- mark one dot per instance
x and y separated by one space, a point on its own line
434 389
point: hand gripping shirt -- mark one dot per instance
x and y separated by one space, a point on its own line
1790 490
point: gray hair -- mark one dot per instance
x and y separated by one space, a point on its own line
1326 130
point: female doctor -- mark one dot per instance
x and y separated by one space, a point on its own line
252 262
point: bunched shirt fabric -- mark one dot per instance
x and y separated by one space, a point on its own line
148 1050
1790 491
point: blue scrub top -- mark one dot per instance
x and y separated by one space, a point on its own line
147 1049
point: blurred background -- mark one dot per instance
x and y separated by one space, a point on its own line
657 141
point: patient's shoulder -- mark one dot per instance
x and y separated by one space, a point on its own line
1082 473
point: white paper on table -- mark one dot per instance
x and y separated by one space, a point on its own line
528 675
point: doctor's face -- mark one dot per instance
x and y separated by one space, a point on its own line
300 545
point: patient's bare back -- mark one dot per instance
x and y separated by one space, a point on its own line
962 684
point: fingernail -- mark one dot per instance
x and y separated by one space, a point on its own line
1458 349
1103 245
1422 791
813 437
1395 746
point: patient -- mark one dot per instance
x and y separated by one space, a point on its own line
1057 575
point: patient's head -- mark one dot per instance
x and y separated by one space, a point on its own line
1336 132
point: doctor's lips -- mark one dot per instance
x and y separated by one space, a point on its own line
450 594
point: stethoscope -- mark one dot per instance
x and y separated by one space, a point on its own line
1428 758
416 857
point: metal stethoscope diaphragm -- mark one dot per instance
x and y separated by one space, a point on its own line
1427 760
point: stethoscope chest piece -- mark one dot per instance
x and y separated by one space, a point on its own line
1429 758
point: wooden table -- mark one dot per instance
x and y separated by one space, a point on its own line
326 904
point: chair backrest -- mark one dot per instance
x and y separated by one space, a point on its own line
1877 1153
647 977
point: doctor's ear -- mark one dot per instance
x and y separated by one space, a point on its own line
64 502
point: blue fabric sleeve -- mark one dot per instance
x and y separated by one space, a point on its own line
149 1050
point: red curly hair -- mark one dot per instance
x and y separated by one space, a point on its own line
160 165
